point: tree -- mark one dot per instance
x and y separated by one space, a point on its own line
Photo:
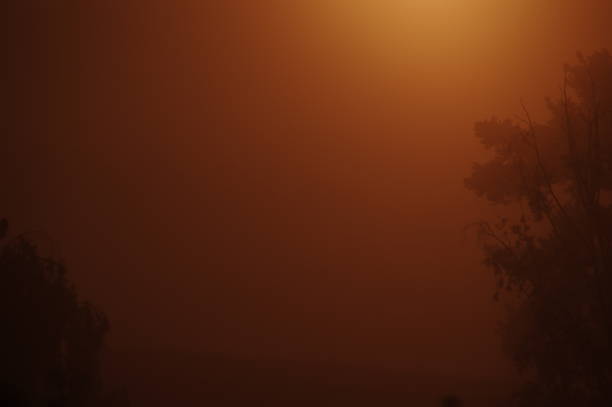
552 255
51 341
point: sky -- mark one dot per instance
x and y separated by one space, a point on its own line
278 179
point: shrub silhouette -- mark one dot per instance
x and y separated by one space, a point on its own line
51 341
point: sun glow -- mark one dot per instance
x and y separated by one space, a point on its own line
389 13
395 29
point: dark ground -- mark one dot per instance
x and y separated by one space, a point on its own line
170 378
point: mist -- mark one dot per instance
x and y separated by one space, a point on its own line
278 181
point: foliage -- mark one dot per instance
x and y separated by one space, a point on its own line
555 261
51 342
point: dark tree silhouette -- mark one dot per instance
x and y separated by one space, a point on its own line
554 259
51 341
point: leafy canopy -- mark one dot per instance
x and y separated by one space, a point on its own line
555 260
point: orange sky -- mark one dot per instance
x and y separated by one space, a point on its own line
279 178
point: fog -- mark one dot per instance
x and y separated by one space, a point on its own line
278 180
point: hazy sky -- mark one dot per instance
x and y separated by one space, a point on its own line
277 178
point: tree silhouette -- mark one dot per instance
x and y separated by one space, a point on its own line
553 260
51 341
